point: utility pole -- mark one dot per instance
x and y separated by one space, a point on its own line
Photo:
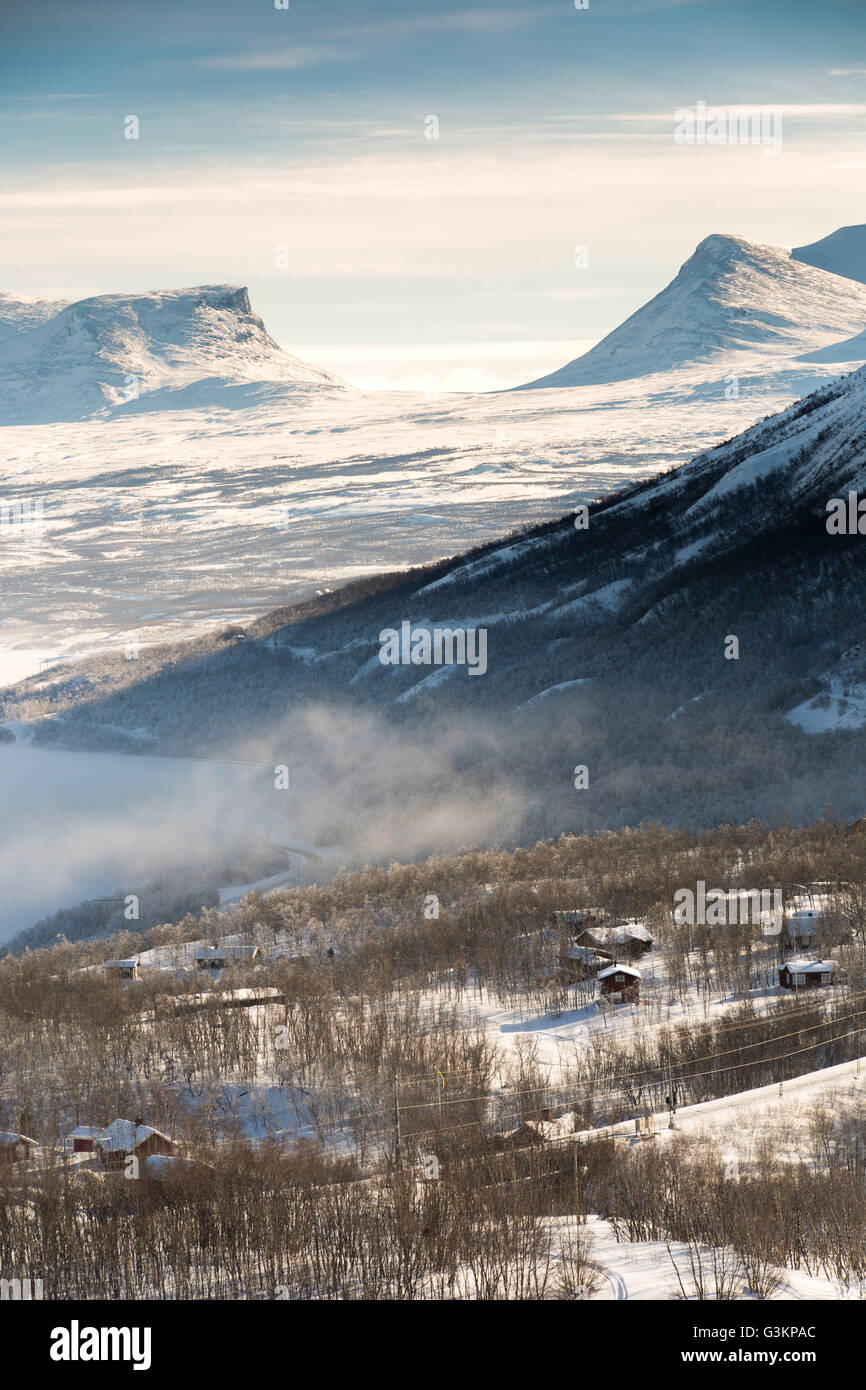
398 1148
671 1097
576 1160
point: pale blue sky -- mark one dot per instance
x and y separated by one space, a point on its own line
305 128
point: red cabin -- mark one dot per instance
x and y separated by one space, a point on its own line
807 974
620 984
83 1139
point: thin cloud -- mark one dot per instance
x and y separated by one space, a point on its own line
467 21
48 96
484 22
277 59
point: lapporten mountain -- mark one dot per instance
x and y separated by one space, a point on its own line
737 306
168 349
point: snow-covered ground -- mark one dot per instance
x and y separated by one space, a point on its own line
644 1269
841 706
742 1129
162 524
554 1036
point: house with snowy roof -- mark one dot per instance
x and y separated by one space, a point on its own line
630 939
544 1129
573 919
620 984
121 1138
814 919
123 969
804 973
222 957
82 1139
582 962
16 1148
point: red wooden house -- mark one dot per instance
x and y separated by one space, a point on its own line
807 974
121 1138
620 984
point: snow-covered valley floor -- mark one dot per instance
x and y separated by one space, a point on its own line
159 524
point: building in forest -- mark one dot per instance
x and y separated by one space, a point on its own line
123 1138
16 1148
620 984
807 974
630 939
123 969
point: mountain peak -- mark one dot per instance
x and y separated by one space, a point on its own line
158 349
723 241
724 247
732 297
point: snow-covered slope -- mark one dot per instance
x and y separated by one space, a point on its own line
18 315
150 351
842 253
629 620
733 303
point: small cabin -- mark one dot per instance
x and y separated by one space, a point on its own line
629 939
123 969
804 923
807 974
83 1139
574 919
225 956
121 1138
545 1129
620 984
581 963
16 1148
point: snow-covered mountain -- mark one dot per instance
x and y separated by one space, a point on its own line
17 315
842 253
608 645
238 478
736 306
189 348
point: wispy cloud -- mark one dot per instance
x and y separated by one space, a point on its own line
847 72
478 21
277 59
48 96
497 21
